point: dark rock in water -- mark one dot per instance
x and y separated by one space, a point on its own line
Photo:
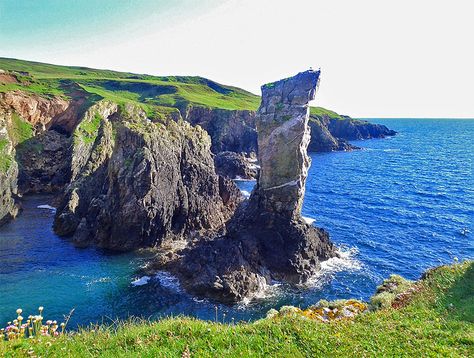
235 131
139 184
351 129
267 238
322 140
236 166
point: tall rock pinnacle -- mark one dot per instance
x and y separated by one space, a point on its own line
283 138
267 239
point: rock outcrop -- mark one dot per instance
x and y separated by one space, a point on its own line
322 140
235 131
351 129
36 164
36 110
140 184
267 239
233 165
229 130
8 170
44 163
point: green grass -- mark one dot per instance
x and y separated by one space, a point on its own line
88 129
159 96
320 112
20 130
122 87
437 321
5 158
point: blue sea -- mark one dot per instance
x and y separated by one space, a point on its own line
400 205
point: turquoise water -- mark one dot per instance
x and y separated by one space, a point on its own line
398 206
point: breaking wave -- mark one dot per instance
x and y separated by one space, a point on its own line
346 261
48 207
141 281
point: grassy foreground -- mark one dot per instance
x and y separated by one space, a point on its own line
436 319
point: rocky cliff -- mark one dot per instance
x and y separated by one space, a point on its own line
8 170
22 115
230 130
234 137
140 184
235 131
267 239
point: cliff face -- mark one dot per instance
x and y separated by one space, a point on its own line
322 140
34 109
140 184
8 170
267 239
234 136
235 131
229 130
22 115
351 129
44 162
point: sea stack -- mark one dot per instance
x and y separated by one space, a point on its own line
283 138
267 239
289 248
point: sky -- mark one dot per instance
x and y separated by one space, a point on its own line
405 58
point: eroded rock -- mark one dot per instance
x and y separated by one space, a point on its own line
267 239
236 165
138 184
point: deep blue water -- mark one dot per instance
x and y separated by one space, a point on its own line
397 206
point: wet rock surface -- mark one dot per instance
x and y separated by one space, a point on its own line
267 239
236 165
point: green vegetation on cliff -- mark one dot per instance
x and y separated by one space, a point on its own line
20 130
121 87
5 157
434 317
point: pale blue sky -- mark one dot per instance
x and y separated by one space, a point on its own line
378 58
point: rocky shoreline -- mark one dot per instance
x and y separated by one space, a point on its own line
125 180
267 238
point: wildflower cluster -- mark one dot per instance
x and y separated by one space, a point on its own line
324 311
31 327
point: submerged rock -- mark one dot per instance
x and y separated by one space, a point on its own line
267 238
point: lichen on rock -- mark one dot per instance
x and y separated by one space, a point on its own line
139 183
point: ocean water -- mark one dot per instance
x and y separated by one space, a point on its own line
400 205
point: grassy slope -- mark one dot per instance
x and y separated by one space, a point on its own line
438 321
151 91
160 92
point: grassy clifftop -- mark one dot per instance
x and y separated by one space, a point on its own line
433 318
152 91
